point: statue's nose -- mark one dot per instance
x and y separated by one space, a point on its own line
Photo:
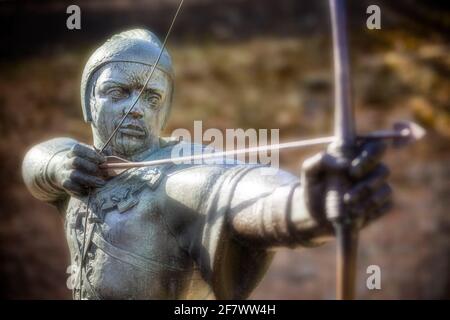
135 114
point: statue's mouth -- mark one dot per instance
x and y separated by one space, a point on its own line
132 130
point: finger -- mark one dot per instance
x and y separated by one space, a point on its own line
368 158
74 188
381 196
315 166
373 209
362 210
378 212
312 166
375 201
86 180
373 182
382 210
84 151
84 165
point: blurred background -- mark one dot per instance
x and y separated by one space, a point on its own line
242 64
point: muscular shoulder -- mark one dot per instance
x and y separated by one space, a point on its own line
35 167
190 185
41 152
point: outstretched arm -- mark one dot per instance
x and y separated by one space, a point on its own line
282 210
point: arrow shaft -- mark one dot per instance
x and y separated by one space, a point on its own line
386 134
214 155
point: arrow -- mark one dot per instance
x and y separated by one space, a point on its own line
403 133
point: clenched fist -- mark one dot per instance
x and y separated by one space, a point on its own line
78 170
367 196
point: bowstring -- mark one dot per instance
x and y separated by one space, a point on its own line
86 219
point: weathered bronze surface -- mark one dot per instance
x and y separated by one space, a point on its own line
200 231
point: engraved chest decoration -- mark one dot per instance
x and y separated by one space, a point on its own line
120 194
123 193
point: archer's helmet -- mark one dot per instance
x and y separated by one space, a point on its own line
139 46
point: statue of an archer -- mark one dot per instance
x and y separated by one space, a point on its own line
174 231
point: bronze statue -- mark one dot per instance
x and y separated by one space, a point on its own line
186 231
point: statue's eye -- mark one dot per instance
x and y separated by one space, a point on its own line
117 93
154 100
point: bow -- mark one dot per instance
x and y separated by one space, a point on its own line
343 147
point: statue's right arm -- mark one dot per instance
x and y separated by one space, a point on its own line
56 168
40 166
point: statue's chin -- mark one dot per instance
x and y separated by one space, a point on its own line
129 145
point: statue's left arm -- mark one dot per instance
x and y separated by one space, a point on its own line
226 217
283 210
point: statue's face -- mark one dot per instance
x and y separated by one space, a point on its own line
116 88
